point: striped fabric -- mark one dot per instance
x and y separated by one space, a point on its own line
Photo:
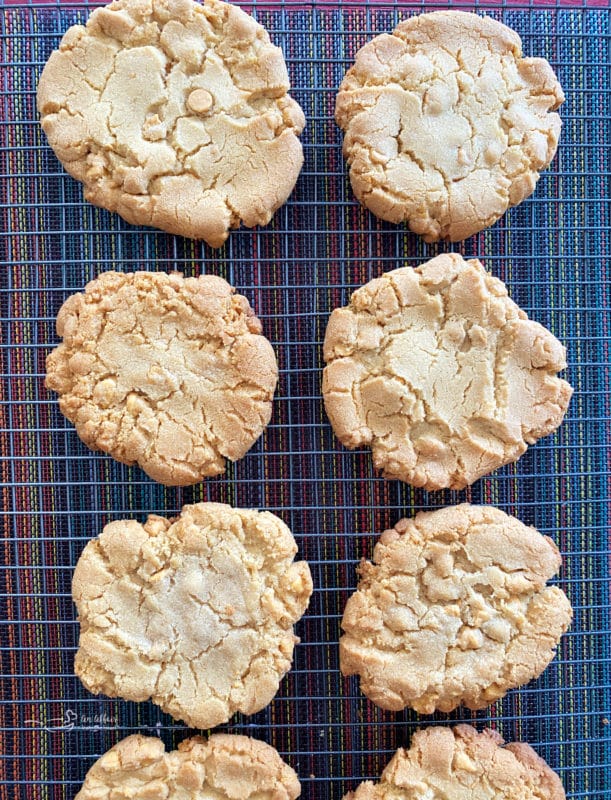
553 252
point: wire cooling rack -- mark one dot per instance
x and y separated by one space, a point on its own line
553 252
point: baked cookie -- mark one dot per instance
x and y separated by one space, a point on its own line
225 767
446 124
195 613
162 371
462 764
174 114
441 373
454 610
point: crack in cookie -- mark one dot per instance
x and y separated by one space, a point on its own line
225 766
454 610
462 764
175 114
195 613
441 373
446 124
162 371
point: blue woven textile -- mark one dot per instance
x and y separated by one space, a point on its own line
552 251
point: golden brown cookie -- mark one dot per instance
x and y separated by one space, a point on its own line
195 613
446 123
162 371
454 610
175 114
441 374
225 767
462 764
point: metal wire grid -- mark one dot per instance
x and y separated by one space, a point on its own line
553 251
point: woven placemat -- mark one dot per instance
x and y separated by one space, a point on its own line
553 252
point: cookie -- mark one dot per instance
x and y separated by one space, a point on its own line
194 613
441 373
166 372
462 764
454 610
174 114
446 123
225 767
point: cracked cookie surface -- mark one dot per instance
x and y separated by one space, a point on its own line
453 610
225 766
446 125
174 114
441 374
167 372
195 613
462 764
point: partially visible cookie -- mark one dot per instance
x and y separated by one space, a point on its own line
454 610
446 124
175 114
462 764
166 372
195 613
441 374
225 767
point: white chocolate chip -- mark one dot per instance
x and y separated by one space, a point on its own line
200 101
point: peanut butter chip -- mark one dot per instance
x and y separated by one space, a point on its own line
462 764
402 634
200 101
226 767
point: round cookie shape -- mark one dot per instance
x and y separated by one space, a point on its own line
166 372
446 124
441 374
174 114
225 766
454 610
462 764
195 613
